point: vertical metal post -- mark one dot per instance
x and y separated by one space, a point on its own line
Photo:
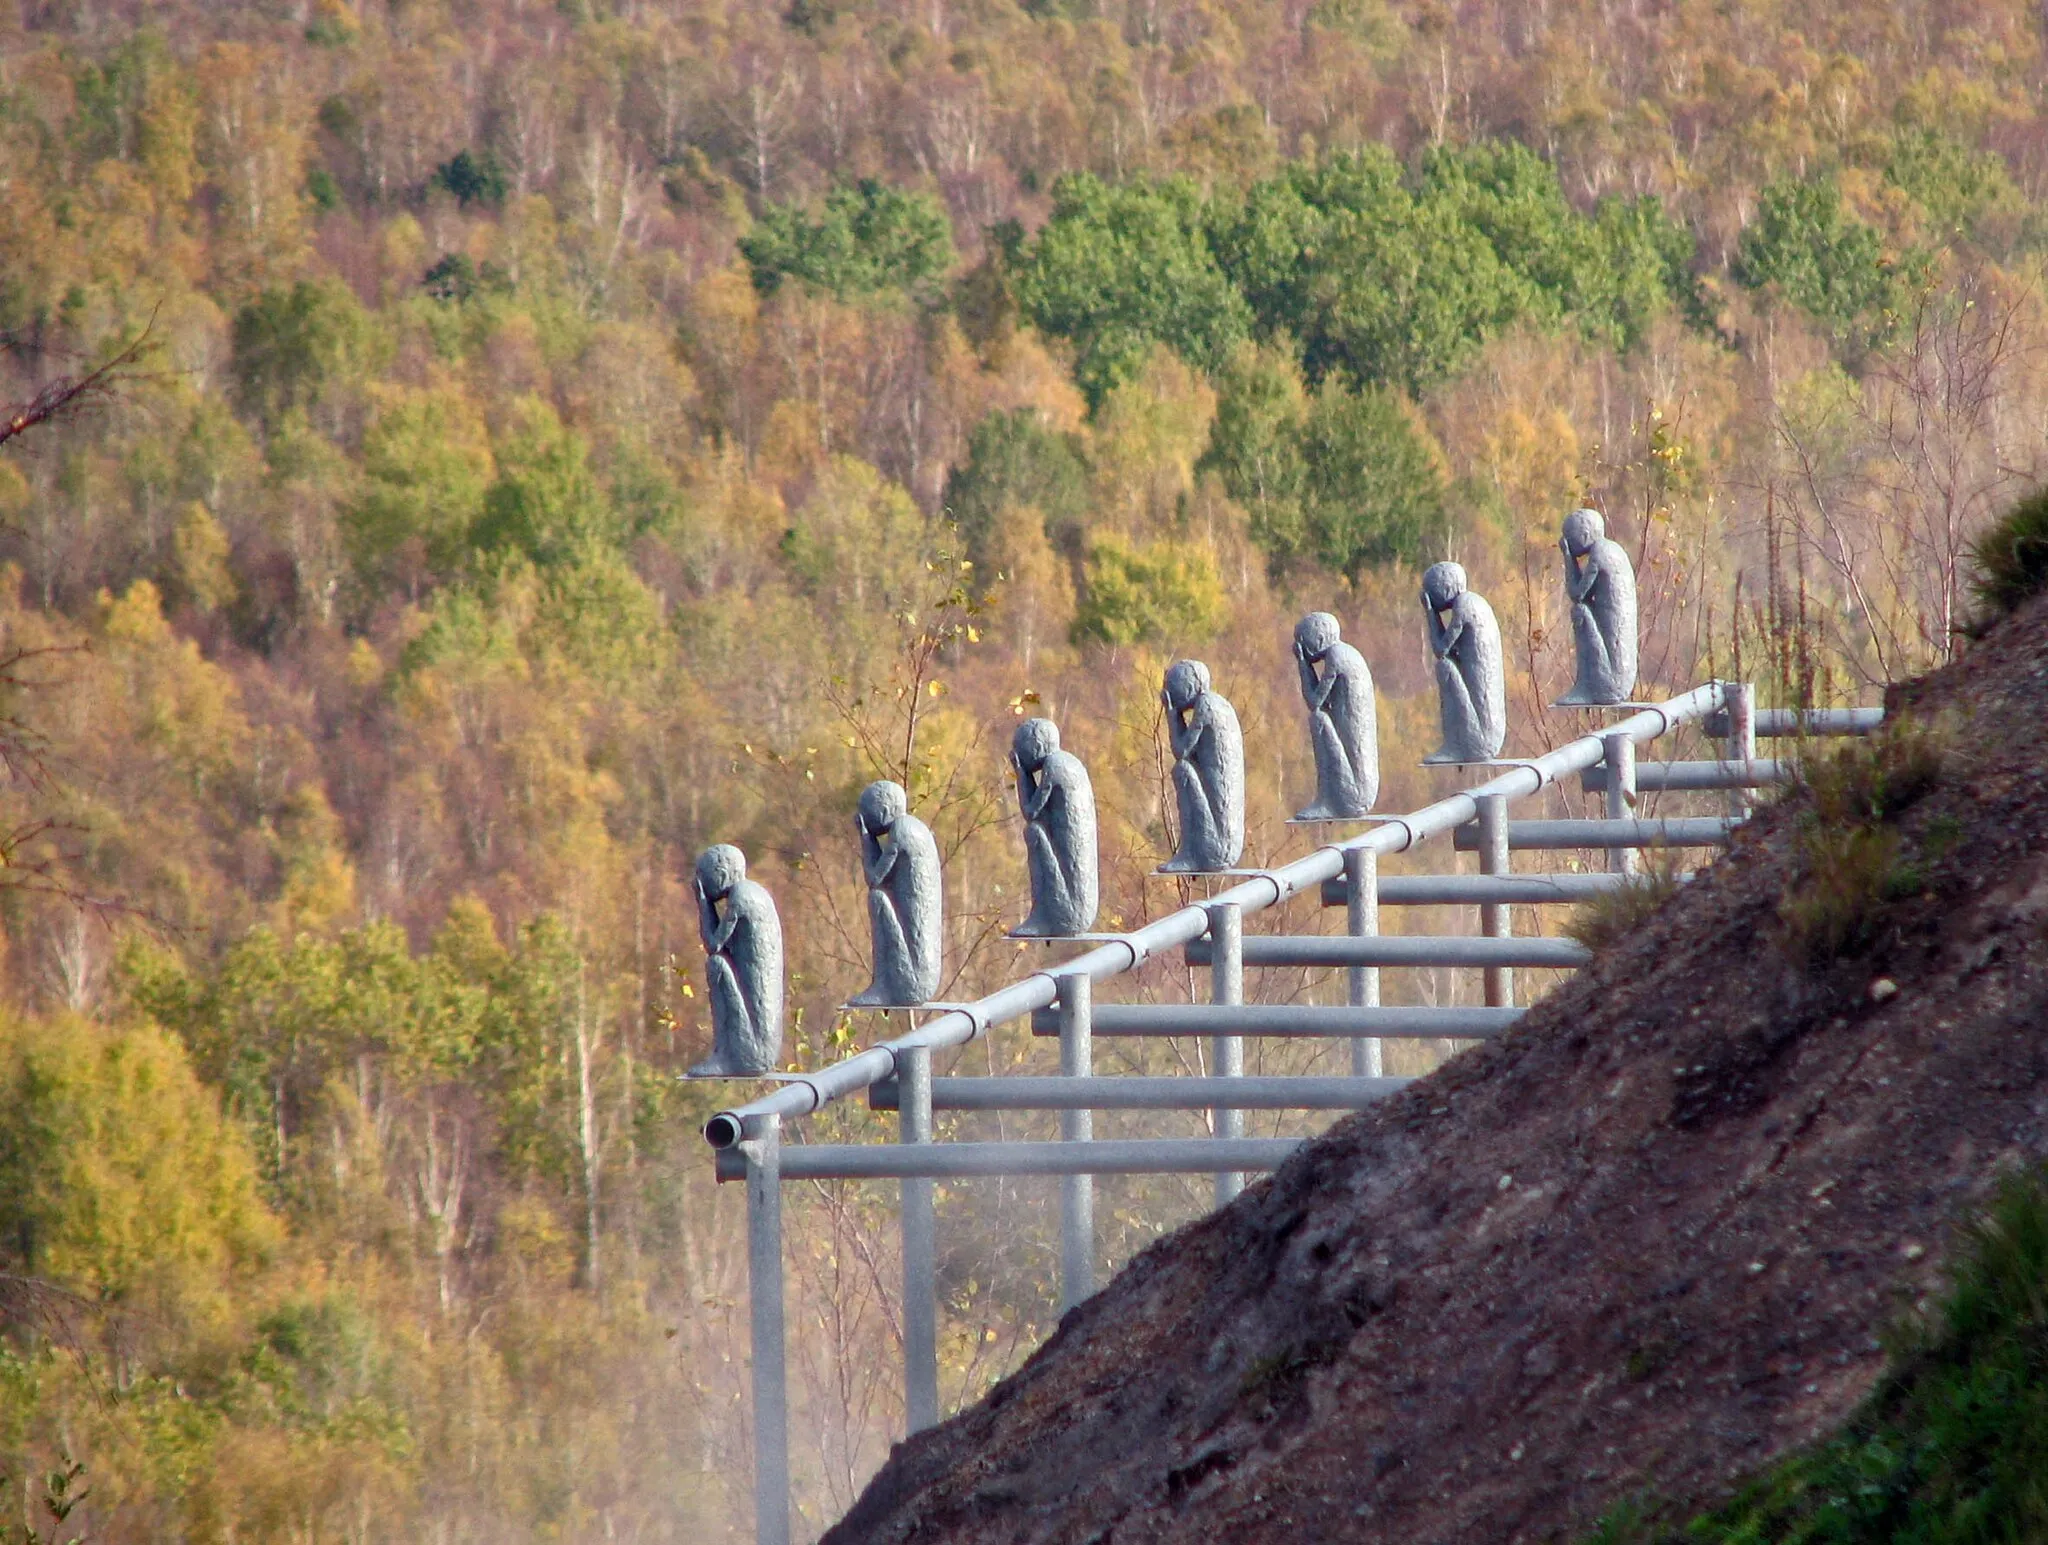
1362 920
1741 739
1077 1192
1495 919
1226 985
763 1156
920 1247
1619 752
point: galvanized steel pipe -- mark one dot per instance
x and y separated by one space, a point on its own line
1130 1092
1449 890
967 1161
1306 1019
1410 949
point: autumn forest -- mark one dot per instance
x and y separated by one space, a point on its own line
521 442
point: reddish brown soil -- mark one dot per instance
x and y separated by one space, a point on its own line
1644 1241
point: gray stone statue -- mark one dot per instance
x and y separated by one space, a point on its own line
742 966
901 862
1208 771
1471 682
1058 804
1343 721
1600 588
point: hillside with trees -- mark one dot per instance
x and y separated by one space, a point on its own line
538 440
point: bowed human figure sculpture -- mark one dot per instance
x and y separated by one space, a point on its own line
1471 683
1600 589
1208 771
1058 805
1343 721
742 966
900 861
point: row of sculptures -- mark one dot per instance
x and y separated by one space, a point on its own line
900 858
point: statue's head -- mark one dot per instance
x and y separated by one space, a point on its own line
1186 681
719 869
1583 530
882 805
1034 741
1317 634
1442 584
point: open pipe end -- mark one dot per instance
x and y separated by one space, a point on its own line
723 1130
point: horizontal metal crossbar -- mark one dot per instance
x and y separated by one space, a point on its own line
1786 723
1323 949
1691 831
1288 1019
1135 1093
1674 777
963 1161
1451 890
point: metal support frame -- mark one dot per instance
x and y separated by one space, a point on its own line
1618 760
1312 1021
1077 1125
958 1024
1778 723
1696 777
1496 920
1338 949
968 1161
920 1250
1741 743
1465 890
760 1158
1226 1052
1362 984
1125 1091
1685 831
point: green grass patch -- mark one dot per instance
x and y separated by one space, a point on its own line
1599 922
1853 861
1952 1446
2011 559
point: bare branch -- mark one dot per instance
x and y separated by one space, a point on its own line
67 394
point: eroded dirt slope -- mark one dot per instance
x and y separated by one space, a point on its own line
1641 1241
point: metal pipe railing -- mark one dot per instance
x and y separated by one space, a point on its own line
1494 952
1684 831
1454 890
1077 1125
1361 883
1785 723
1408 1023
1696 777
806 1093
1126 1091
1226 1050
967 1161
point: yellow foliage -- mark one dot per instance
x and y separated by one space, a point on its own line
1149 435
319 878
184 707
120 1177
201 549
